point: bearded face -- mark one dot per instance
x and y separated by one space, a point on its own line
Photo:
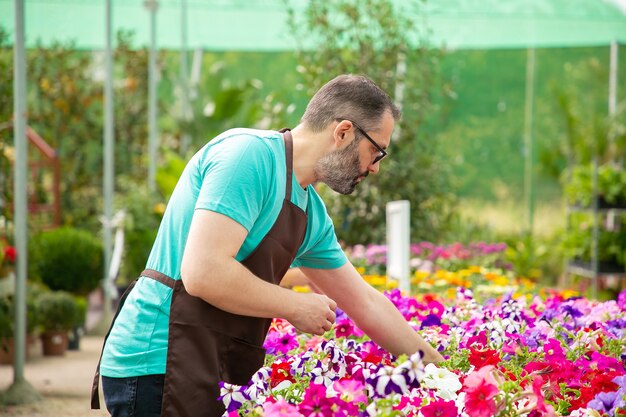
341 169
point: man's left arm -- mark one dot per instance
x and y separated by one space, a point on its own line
371 311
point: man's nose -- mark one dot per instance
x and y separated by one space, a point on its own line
373 168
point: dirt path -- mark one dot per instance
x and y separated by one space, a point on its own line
64 382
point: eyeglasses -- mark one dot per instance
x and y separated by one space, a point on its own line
381 152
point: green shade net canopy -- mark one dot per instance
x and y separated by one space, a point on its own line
260 25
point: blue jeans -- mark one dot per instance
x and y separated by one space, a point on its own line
138 396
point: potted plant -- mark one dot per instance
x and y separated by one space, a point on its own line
7 320
57 311
78 328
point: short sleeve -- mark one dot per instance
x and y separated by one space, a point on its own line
320 248
235 176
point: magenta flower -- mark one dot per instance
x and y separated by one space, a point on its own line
315 403
346 328
440 408
278 342
621 300
554 351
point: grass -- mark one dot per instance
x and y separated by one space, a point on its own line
510 217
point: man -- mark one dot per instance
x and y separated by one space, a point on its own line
243 212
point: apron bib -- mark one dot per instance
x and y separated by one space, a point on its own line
207 345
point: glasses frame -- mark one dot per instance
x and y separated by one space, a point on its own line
383 153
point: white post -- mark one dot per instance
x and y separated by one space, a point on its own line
398 243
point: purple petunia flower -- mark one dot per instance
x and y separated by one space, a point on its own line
233 396
606 402
431 320
387 380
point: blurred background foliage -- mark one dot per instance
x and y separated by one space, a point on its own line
458 155
368 37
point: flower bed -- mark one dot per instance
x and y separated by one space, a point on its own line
512 355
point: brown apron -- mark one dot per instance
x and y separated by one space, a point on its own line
207 345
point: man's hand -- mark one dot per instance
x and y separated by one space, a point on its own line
371 311
312 313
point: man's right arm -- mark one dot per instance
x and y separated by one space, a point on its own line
210 271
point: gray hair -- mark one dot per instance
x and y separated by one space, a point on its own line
353 97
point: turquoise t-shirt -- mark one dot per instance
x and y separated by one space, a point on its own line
240 174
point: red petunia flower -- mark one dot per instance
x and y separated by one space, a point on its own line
280 372
483 357
10 254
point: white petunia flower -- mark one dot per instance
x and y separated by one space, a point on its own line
445 382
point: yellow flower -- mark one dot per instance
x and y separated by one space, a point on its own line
451 293
392 284
500 280
360 270
465 273
375 279
475 269
421 274
45 84
491 276
301 288
569 293
159 208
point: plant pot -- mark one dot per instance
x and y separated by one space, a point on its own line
54 342
74 338
7 357
7 348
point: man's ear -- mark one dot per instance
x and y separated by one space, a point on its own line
341 133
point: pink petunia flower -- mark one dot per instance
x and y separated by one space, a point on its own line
481 388
280 408
350 390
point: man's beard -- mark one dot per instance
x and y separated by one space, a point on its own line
340 169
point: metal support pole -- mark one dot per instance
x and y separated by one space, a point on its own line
109 158
20 392
613 85
400 86
152 6
108 183
528 140
184 79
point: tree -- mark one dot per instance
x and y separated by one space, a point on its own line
371 37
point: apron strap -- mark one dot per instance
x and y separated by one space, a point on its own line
150 273
158 276
289 159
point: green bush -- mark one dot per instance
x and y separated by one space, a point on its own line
611 186
7 314
576 242
57 310
67 259
81 311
